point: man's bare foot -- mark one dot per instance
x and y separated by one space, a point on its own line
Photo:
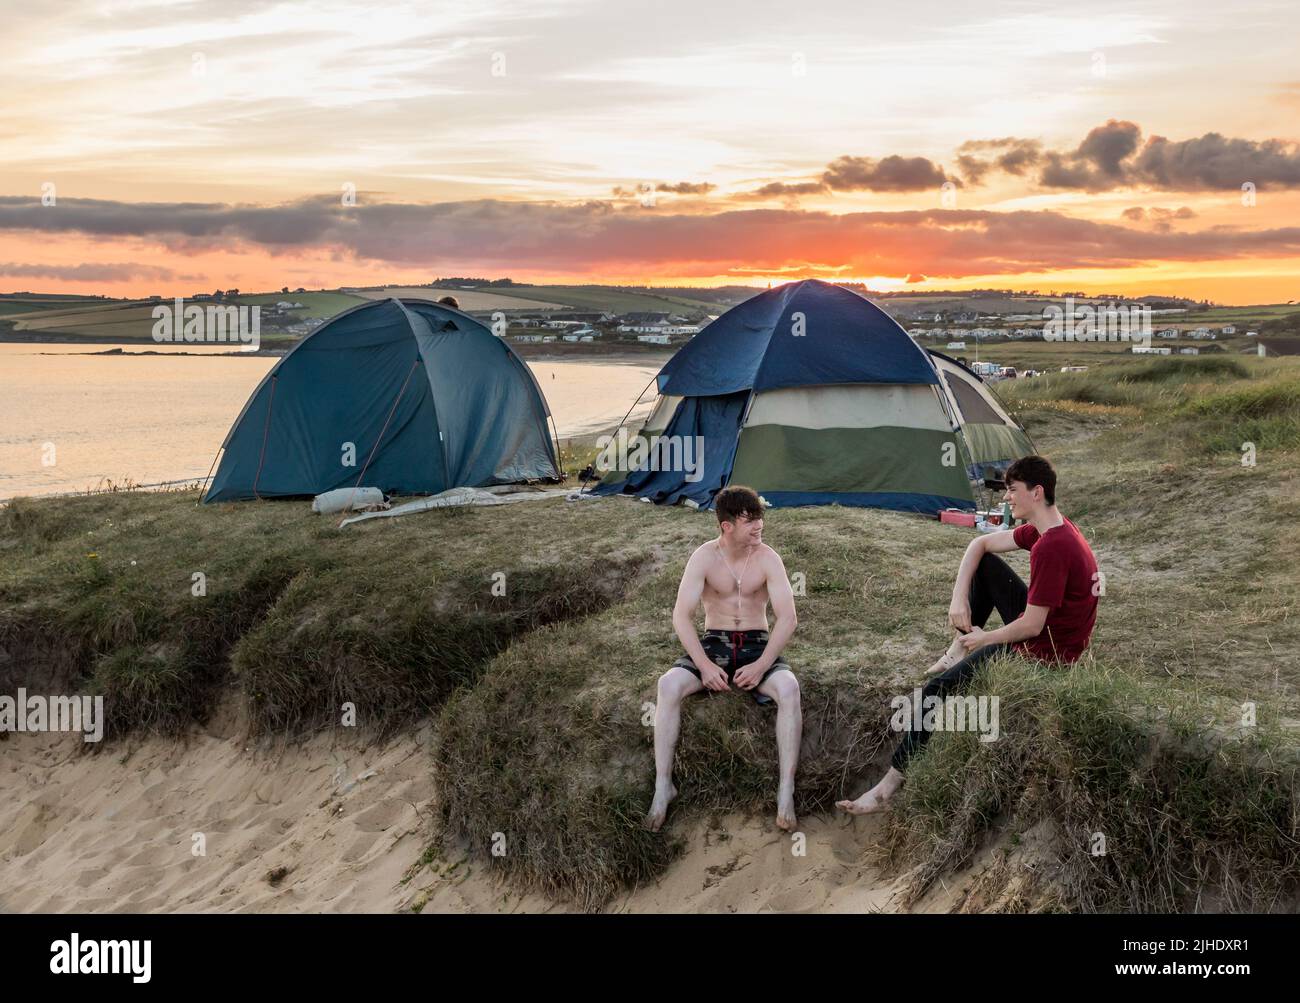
875 799
664 794
785 816
949 658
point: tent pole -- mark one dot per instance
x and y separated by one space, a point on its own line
205 480
583 489
391 411
266 431
555 436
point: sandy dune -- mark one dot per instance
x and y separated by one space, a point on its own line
296 829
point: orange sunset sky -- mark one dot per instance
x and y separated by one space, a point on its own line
175 147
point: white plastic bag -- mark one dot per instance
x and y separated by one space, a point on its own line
347 499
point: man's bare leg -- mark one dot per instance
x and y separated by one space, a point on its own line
783 687
674 686
875 799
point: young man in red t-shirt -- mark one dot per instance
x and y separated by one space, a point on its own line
1050 621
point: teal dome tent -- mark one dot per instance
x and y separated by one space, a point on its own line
408 396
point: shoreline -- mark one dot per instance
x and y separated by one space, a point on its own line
623 354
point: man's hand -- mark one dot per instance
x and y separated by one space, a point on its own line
973 640
712 677
748 677
959 614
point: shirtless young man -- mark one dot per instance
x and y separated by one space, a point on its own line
1050 620
736 576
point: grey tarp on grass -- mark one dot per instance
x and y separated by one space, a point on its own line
428 398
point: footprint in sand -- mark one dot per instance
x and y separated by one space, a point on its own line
381 816
32 826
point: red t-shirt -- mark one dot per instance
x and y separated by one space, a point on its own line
1062 577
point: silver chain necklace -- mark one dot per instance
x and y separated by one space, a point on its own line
738 579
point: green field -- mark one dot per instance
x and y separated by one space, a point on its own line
131 321
316 304
12 305
607 298
1239 315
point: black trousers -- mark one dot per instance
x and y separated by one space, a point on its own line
994 586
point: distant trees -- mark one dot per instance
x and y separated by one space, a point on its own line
461 280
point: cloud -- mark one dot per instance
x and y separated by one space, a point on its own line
1213 162
1096 164
687 188
780 189
889 174
850 174
1113 156
92 272
603 238
1160 217
1014 156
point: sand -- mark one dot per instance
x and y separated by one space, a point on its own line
329 825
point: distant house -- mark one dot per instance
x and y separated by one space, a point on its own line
1229 330
653 339
1151 350
955 345
548 337
1189 350
528 337
1169 332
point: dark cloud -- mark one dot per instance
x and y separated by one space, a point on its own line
1099 163
1113 156
889 174
780 189
601 237
1215 162
1158 214
1009 155
687 188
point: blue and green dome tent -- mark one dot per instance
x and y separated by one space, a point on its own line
813 395
417 396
